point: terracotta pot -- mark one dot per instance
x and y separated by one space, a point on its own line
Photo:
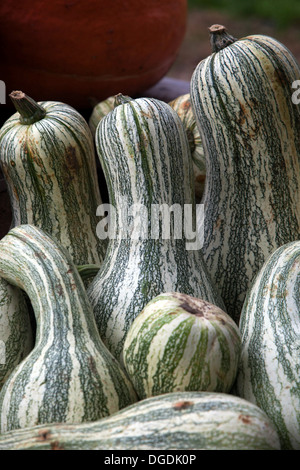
76 51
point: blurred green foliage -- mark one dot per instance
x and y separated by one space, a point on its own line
282 12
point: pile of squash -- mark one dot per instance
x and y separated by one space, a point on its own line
117 334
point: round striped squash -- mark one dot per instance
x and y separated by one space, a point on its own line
48 161
174 421
250 130
183 107
16 333
69 376
270 357
180 343
145 157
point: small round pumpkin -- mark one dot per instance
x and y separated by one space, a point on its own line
180 343
73 50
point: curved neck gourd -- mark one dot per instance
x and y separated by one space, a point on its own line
69 376
198 420
51 282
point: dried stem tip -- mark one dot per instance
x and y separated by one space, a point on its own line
219 38
30 111
121 99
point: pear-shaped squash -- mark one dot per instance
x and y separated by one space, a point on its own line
48 160
153 246
250 128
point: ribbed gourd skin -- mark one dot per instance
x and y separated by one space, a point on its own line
16 335
183 107
180 343
69 376
144 154
250 129
100 110
175 421
50 170
270 357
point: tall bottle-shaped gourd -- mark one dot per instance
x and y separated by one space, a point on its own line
48 161
144 153
250 128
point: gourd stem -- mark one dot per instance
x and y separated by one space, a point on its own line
121 99
219 38
30 111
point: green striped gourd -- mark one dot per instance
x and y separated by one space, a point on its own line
183 106
48 160
180 343
145 157
100 110
69 376
16 334
250 129
270 357
174 421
